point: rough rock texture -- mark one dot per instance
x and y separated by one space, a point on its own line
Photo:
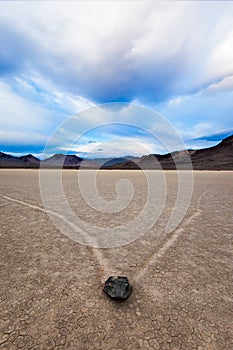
118 287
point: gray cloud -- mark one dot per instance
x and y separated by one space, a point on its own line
59 58
119 50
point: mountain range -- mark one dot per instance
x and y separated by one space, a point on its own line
219 157
69 161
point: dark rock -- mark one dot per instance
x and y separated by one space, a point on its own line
117 287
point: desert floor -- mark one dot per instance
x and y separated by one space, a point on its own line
51 286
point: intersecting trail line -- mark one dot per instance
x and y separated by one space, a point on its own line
103 267
169 241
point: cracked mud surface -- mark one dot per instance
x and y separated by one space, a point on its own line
51 287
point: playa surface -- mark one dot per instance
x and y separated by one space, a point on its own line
51 286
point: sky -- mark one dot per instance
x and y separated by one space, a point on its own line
63 59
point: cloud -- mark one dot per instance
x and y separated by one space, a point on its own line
56 60
119 51
225 84
117 147
138 131
18 113
30 110
217 136
203 113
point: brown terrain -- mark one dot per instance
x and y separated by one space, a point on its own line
51 287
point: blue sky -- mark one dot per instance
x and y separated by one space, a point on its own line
60 58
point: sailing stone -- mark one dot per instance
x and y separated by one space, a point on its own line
117 287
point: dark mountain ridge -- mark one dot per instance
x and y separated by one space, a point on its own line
59 160
219 157
29 158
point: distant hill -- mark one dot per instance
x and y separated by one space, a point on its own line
59 160
114 161
68 161
29 158
219 157
7 157
28 161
